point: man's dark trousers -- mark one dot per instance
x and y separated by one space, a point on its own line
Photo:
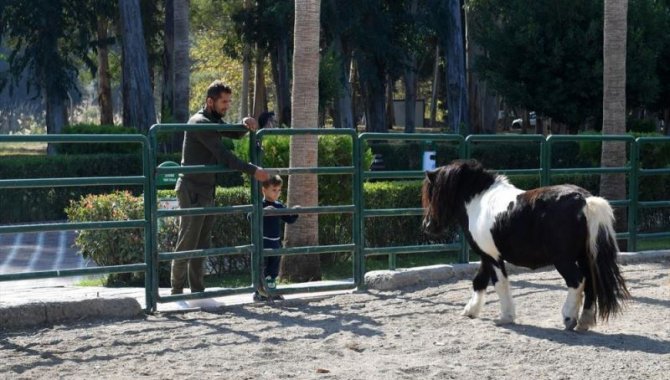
194 233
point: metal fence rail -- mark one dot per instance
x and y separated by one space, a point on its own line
143 180
357 208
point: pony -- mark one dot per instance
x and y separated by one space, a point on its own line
564 226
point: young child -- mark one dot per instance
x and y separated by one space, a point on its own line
271 233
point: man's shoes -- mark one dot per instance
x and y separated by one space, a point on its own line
259 298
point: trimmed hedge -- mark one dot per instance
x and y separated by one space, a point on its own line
48 204
96 148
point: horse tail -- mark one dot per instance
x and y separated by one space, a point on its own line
608 283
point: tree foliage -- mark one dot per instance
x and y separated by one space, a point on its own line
49 39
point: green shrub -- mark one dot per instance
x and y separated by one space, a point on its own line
95 148
640 125
110 246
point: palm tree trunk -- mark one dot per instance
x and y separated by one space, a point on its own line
303 189
613 186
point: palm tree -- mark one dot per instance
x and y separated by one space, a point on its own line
613 186
302 189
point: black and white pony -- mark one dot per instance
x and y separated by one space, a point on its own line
564 226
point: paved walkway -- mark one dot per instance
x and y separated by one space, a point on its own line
28 252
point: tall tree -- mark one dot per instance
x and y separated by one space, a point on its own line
336 23
613 186
540 55
482 101
182 67
411 77
138 104
457 92
246 70
49 40
303 189
167 87
104 79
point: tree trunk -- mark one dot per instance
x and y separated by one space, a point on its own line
434 87
260 104
167 103
138 105
411 79
56 116
613 186
344 115
390 115
246 73
456 86
283 90
303 189
410 97
182 67
104 82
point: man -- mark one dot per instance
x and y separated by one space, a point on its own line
197 190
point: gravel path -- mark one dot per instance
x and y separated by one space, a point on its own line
413 333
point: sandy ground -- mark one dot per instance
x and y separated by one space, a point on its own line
413 333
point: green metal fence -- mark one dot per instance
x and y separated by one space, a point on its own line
155 257
151 172
143 180
323 209
365 174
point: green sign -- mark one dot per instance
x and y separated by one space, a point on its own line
167 178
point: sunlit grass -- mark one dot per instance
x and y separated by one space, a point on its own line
31 149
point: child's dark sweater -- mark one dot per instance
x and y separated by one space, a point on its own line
271 225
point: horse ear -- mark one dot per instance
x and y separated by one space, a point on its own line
431 174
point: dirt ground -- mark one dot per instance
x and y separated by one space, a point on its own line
414 333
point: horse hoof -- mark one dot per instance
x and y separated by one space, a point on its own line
570 323
504 321
581 327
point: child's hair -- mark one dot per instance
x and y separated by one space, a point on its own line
274 180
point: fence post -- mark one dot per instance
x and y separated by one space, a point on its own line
633 191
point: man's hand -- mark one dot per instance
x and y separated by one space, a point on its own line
261 175
250 123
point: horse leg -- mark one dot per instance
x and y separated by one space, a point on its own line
479 284
574 279
588 317
501 284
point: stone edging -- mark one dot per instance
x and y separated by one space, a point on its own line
389 280
49 313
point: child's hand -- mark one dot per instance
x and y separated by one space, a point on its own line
269 208
296 206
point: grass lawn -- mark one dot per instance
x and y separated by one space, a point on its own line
8 149
652 245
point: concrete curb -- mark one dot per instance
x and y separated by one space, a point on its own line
47 313
390 280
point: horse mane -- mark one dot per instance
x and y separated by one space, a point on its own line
448 188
